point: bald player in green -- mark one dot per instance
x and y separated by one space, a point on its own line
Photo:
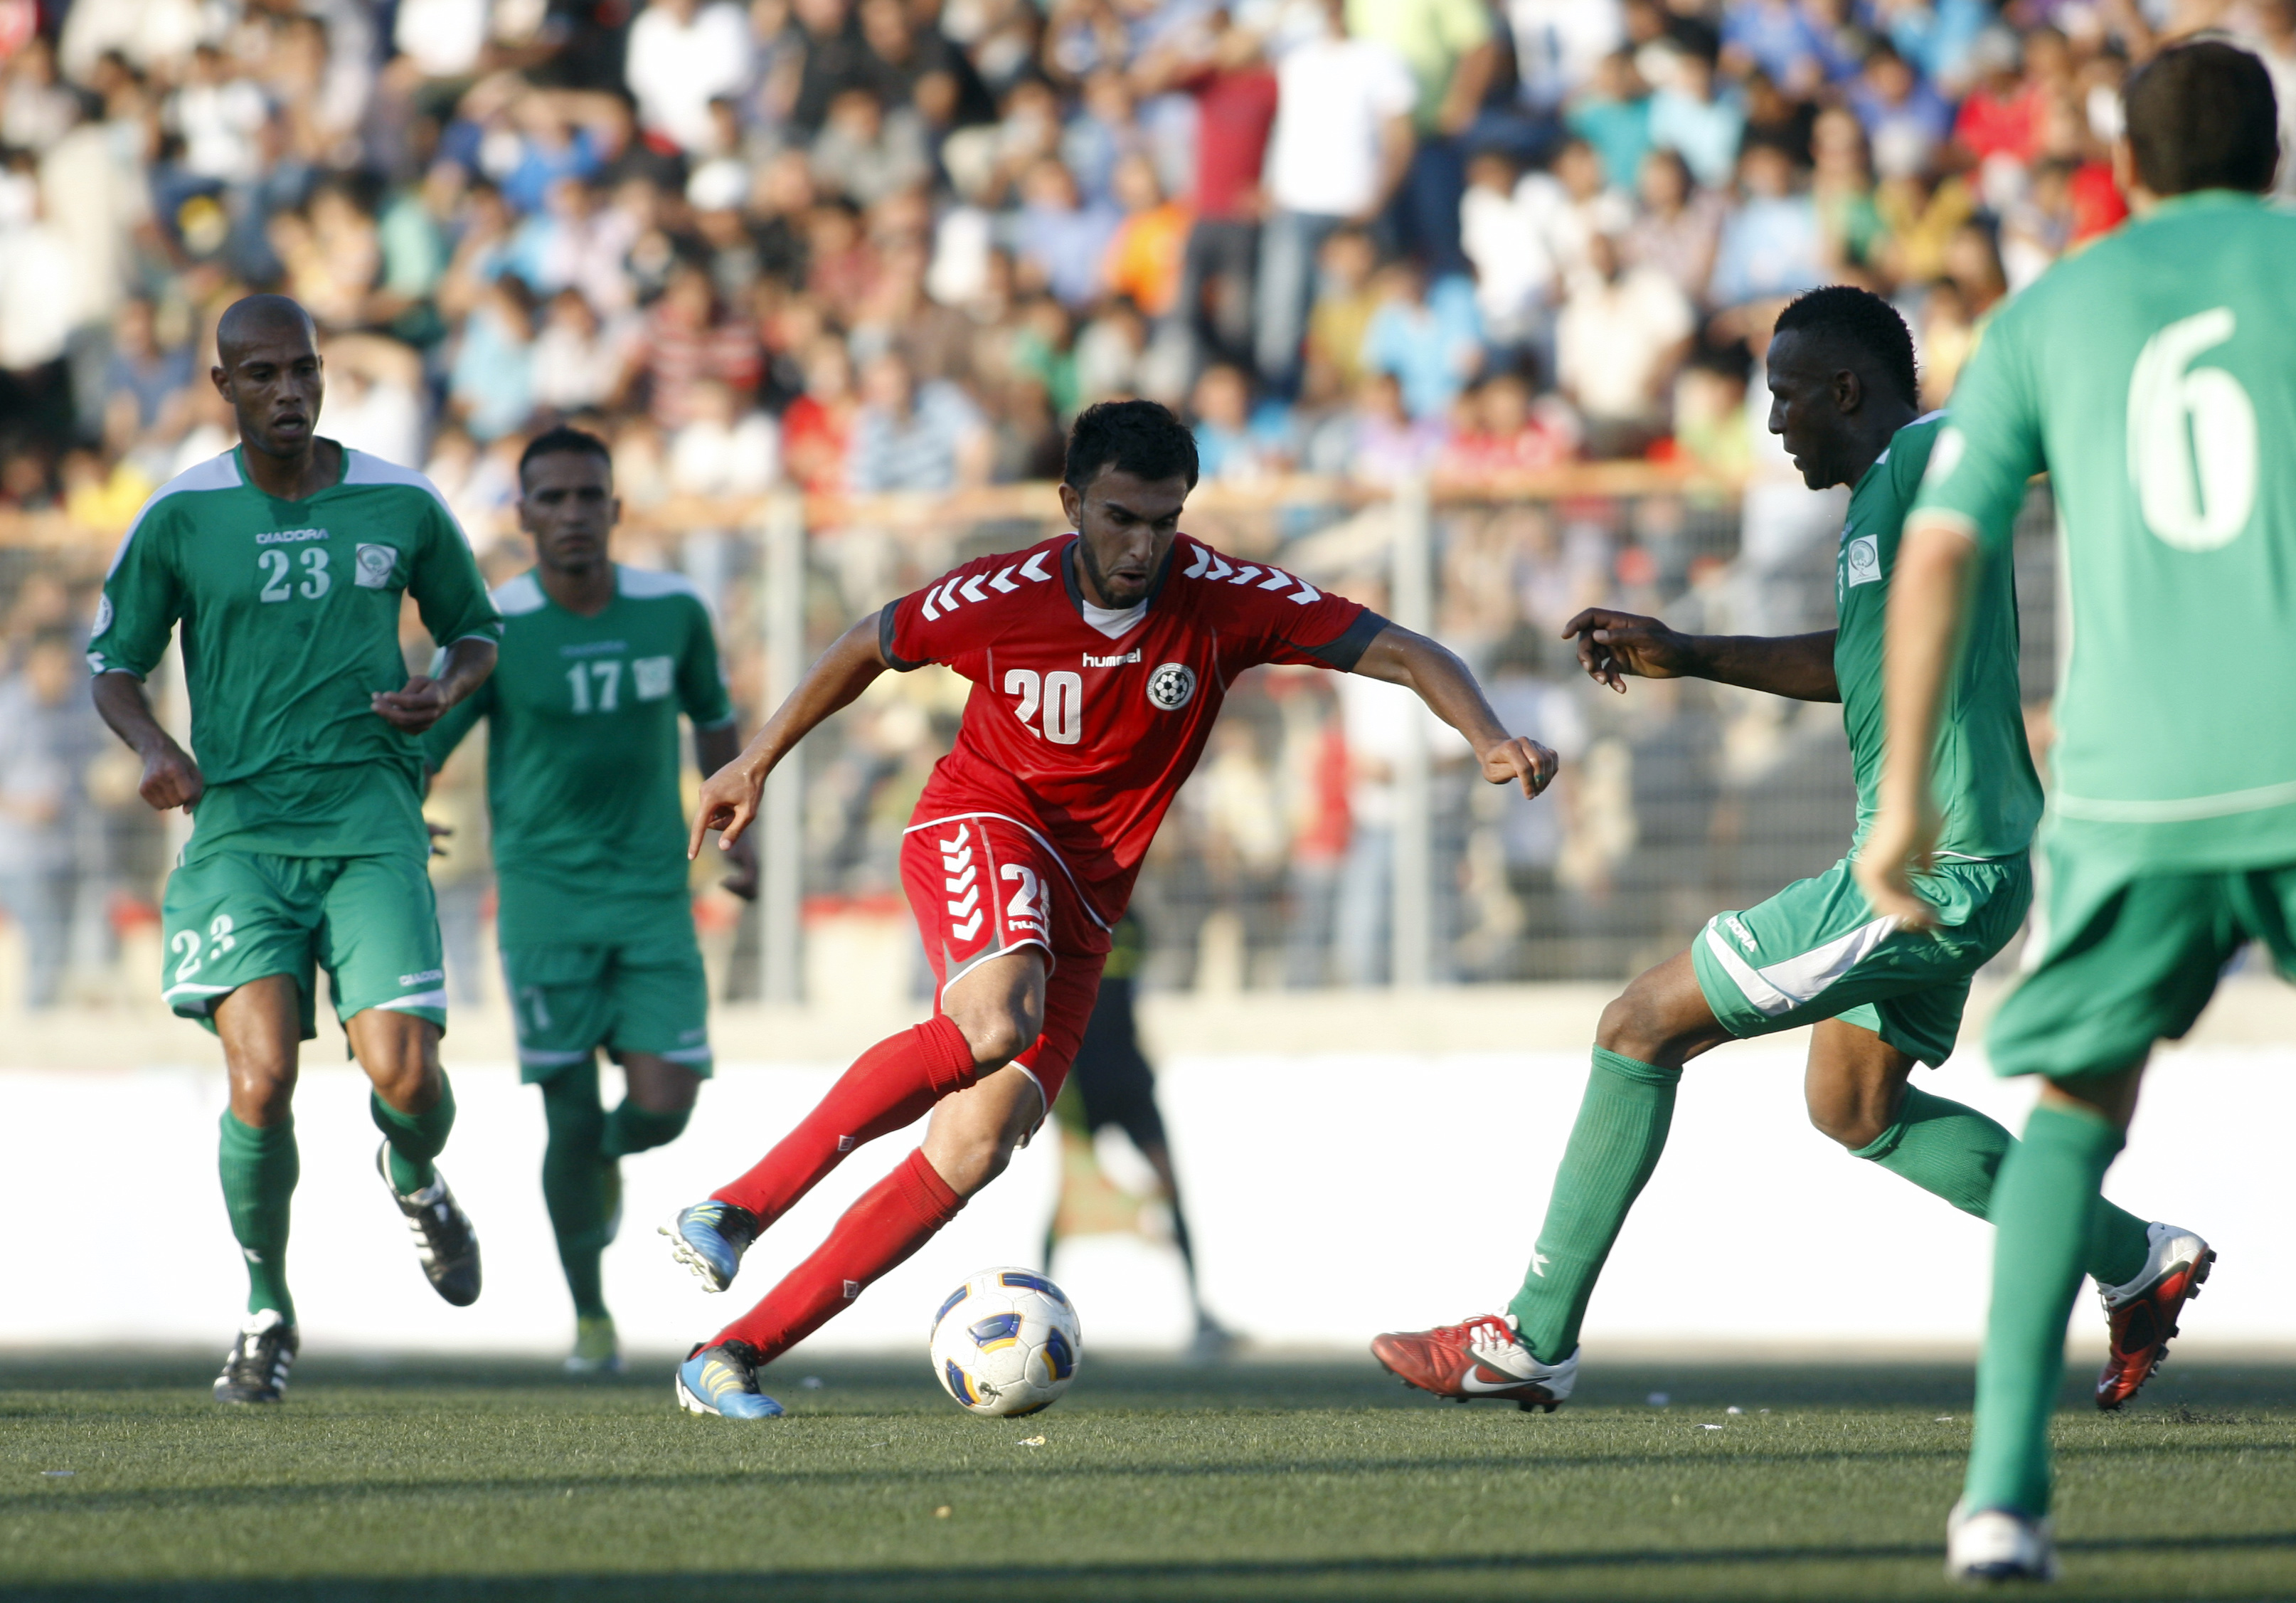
2153 378
284 561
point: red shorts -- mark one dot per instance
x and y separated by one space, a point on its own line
982 885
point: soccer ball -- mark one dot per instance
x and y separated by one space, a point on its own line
1005 1342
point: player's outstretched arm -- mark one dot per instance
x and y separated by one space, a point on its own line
170 777
1613 645
1432 672
1929 593
729 797
423 701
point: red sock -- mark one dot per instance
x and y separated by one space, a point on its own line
893 1219
888 1086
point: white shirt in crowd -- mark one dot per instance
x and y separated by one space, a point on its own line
1332 99
1612 338
676 66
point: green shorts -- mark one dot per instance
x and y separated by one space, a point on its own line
1815 952
370 922
648 996
2128 959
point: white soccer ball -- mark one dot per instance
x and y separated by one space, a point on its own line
1006 1343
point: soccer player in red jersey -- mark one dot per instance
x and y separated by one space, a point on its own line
1098 660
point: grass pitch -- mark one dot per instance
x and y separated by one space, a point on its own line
1256 1480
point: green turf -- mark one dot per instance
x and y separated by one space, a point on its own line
1262 1480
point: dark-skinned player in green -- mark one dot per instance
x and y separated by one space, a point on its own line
284 561
2153 378
1881 998
596 924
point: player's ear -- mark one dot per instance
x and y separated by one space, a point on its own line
1073 505
1849 391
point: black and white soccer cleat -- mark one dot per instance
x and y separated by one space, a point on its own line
255 1369
444 1240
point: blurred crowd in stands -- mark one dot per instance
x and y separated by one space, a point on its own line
864 245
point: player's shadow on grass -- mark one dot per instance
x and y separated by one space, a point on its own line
1544 1576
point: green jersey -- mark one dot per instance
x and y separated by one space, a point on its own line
582 763
1987 792
2153 377
290 611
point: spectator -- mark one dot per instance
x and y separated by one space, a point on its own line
1344 304
1622 336
1342 143
817 428
579 365
1515 274
39 797
1775 37
1144 257
866 152
1429 339
1386 444
1906 119
1678 226
1450 50
1234 444
684 54
721 450
1234 97
1770 244
1614 116
907 436
1507 432
1693 117
491 389
1062 243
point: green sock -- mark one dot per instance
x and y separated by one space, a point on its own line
259 1169
1614 1145
630 1128
1956 1153
415 1139
574 1181
2044 1208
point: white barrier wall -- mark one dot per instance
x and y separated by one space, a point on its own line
1330 1195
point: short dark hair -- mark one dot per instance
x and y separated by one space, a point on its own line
1862 320
1136 437
562 440
2203 116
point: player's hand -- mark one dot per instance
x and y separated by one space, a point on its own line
742 853
1902 843
171 779
728 805
1613 645
1520 759
414 708
438 832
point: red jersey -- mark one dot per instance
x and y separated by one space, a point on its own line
1083 728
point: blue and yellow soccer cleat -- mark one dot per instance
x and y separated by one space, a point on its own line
723 1380
710 1238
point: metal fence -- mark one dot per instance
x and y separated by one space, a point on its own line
1333 833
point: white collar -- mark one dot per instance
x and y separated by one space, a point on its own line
1110 623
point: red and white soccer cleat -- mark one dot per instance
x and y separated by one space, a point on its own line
1482 1357
2141 1316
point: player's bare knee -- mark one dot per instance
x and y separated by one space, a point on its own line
1631 1025
1849 1122
997 1036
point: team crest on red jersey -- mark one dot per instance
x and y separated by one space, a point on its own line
1172 687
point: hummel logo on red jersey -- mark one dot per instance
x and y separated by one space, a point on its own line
1210 565
956 592
1118 661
